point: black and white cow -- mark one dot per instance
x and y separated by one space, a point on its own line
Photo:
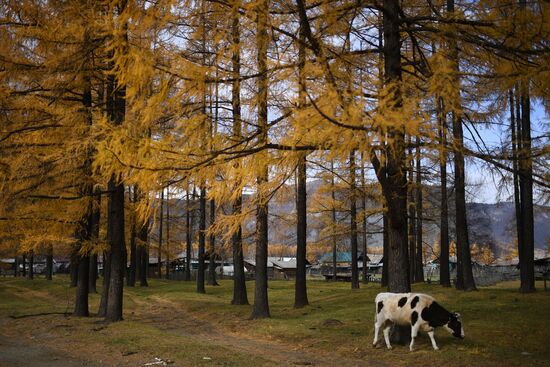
420 311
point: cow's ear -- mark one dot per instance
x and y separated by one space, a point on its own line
456 314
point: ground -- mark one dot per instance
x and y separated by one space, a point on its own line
169 324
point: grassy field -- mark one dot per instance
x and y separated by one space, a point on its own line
170 321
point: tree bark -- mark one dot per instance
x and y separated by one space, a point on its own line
364 206
300 290
444 271
24 261
116 111
419 264
161 225
188 238
102 311
202 229
30 274
96 217
353 223
82 289
167 267
212 247
131 281
526 265
261 304
240 296
49 263
333 210
411 213
144 254
465 278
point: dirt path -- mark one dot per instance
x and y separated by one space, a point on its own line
169 316
14 352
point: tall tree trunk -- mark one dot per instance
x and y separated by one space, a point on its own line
202 240
240 296
419 264
30 274
333 210
261 304
465 278
16 266
96 217
105 287
115 219
188 237
444 271
131 281
515 126
212 247
394 184
526 265
49 263
24 261
161 225
411 212
81 303
300 290
167 268
353 223
144 254
364 207
385 248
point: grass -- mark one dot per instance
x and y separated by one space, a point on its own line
169 319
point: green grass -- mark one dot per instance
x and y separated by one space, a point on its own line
502 327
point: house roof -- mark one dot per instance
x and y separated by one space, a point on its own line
341 257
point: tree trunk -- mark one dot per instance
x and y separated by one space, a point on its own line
334 242
526 265
240 296
419 264
385 248
353 223
411 213
465 278
49 263
159 252
188 238
24 260
212 247
82 289
444 272
115 219
364 206
202 229
167 267
16 266
300 290
144 254
105 287
30 274
96 217
261 304
131 281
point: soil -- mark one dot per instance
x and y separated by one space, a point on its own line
52 340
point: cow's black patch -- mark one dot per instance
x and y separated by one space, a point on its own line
456 326
414 317
402 301
435 315
414 301
379 307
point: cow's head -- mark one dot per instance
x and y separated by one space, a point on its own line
454 326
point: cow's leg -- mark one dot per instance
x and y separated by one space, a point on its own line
376 330
414 333
431 334
387 335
